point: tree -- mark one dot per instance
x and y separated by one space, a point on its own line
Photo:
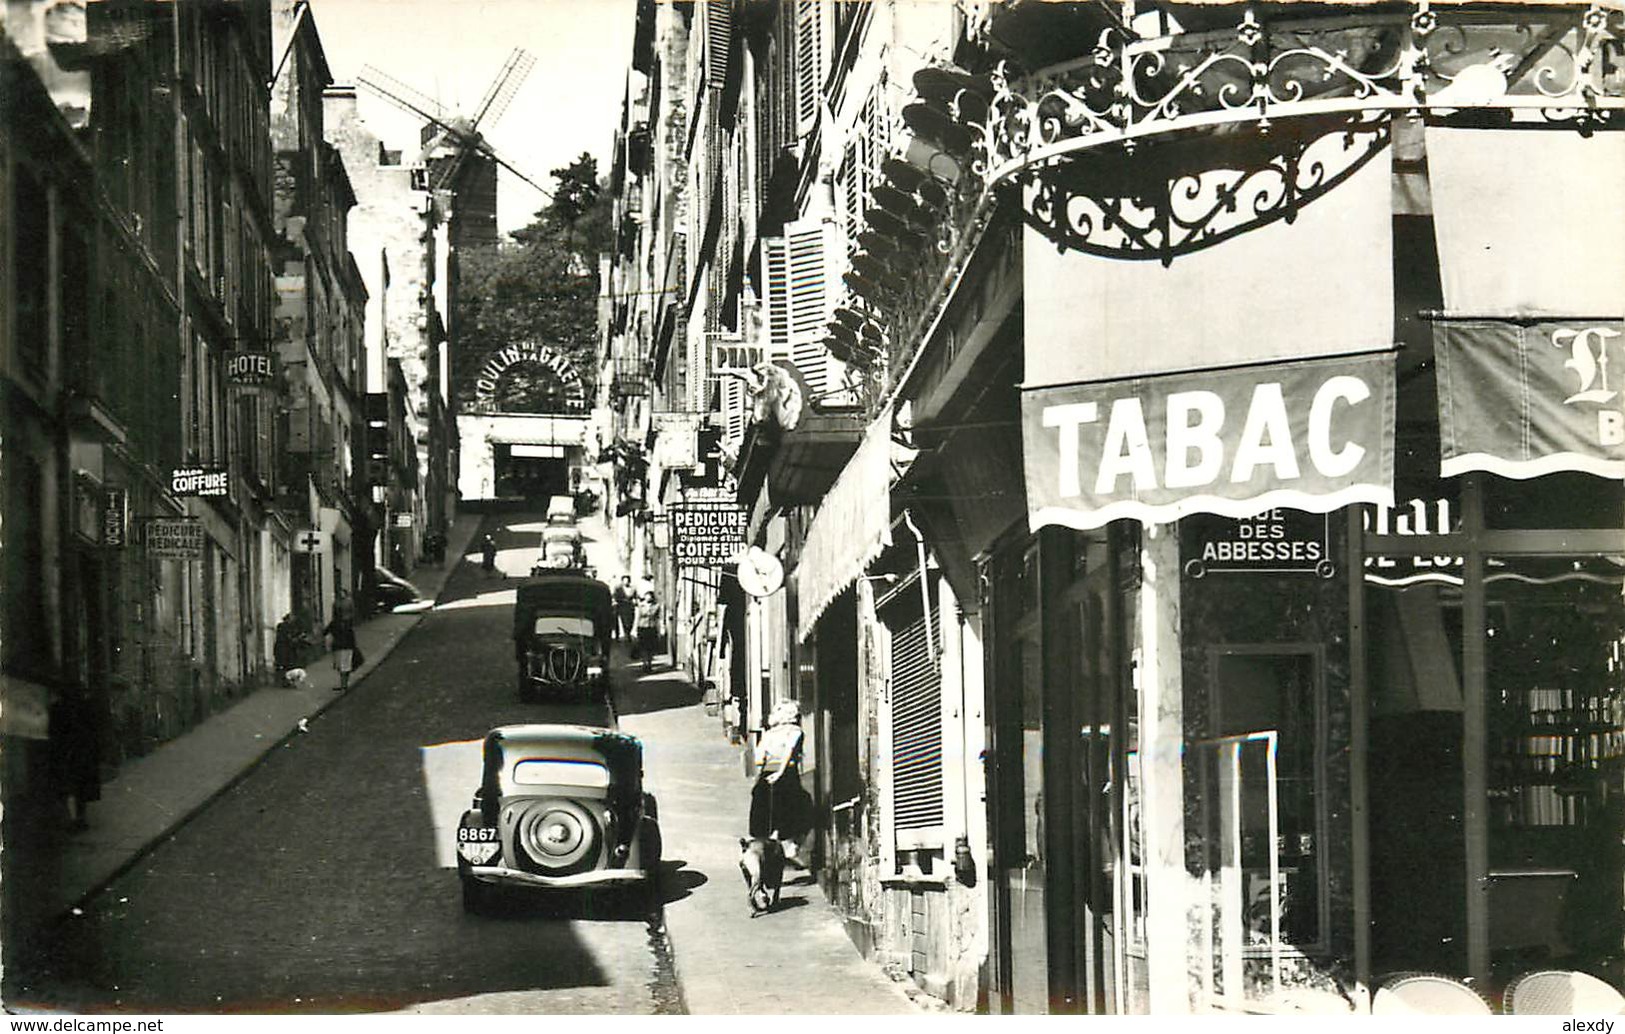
541 286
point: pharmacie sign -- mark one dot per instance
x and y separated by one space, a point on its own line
174 538
707 534
199 481
1312 435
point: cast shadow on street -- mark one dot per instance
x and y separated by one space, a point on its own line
634 696
678 882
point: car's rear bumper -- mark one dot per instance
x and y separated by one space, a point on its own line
514 877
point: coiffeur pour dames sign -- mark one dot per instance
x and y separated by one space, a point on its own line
1312 435
707 534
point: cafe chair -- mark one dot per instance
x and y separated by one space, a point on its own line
1561 992
1427 994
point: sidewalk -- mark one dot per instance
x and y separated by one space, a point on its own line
796 959
153 795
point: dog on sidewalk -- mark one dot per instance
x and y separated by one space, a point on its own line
295 676
761 862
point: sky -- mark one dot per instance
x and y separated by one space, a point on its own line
452 49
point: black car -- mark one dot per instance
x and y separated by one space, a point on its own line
562 623
392 591
559 807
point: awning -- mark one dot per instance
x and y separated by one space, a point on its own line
1321 284
1314 435
1529 221
1523 400
852 526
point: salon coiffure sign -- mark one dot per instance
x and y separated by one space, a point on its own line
1310 435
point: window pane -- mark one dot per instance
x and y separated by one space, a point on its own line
1556 741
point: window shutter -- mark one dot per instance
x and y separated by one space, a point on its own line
796 275
718 41
916 718
809 62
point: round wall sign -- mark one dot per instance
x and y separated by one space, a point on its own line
760 573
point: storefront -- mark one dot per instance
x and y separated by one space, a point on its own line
1308 669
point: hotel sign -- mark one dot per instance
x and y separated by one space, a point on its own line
251 369
200 481
1312 435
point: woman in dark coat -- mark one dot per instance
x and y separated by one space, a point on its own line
76 754
346 658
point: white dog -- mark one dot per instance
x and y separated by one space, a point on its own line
295 676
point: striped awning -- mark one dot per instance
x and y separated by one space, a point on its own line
852 526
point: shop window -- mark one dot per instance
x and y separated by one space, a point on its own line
1555 632
1264 800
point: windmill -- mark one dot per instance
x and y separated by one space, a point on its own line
457 157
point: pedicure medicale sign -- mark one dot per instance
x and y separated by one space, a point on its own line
707 534
1313 435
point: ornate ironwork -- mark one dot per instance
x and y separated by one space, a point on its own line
1271 115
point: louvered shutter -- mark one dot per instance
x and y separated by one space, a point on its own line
809 62
916 715
718 41
733 409
796 275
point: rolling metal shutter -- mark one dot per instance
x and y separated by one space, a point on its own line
916 719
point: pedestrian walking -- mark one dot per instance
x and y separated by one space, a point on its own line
730 719
779 804
626 605
346 656
647 619
76 754
488 554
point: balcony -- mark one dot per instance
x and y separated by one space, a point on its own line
1197 136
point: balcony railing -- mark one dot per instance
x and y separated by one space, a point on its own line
1302 104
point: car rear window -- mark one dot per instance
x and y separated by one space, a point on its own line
563 625
560 772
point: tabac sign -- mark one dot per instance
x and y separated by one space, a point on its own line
1522 400
1312 435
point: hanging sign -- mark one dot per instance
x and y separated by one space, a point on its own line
730 353
1525 400
310 541
199 481
254 370
115 516
707 534
1276 541
1312 435
179 538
